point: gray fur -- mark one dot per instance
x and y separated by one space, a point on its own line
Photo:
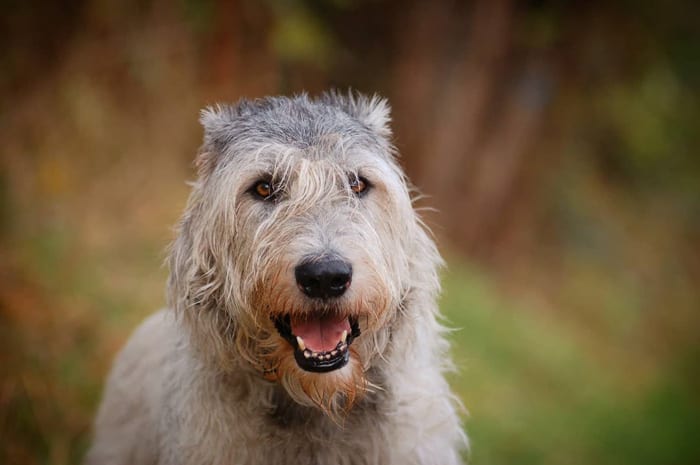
211 382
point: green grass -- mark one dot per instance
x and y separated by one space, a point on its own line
537 395
541 387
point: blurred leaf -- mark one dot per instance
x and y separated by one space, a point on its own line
300 36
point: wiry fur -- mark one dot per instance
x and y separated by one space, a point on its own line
212 382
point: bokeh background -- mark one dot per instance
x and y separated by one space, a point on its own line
558 142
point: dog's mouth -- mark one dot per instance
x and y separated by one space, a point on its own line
321 341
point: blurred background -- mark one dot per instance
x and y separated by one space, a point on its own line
558 142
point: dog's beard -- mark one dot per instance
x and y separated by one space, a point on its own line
333 392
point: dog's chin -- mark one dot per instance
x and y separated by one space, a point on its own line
320 341
332 391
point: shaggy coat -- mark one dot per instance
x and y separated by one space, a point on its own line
214 380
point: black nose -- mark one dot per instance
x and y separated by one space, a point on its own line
323 279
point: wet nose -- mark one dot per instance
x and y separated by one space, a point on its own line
323 279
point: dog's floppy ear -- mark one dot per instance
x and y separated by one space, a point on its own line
374 111
195 284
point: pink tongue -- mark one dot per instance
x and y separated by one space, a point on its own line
321 334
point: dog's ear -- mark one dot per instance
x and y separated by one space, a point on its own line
217 121
374 111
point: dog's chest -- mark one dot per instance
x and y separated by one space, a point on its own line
293 434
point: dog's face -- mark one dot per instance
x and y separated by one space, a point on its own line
296 247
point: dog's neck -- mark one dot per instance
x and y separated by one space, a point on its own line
284 413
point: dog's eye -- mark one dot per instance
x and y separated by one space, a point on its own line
263 190
359 185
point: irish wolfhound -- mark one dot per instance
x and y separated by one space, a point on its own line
303 286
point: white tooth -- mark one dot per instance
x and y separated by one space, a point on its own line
300 342
334 353
344 336
307 354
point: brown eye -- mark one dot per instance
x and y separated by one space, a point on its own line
263 189
359 185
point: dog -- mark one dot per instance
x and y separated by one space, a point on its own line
303 326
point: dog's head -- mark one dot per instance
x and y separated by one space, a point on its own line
300 249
